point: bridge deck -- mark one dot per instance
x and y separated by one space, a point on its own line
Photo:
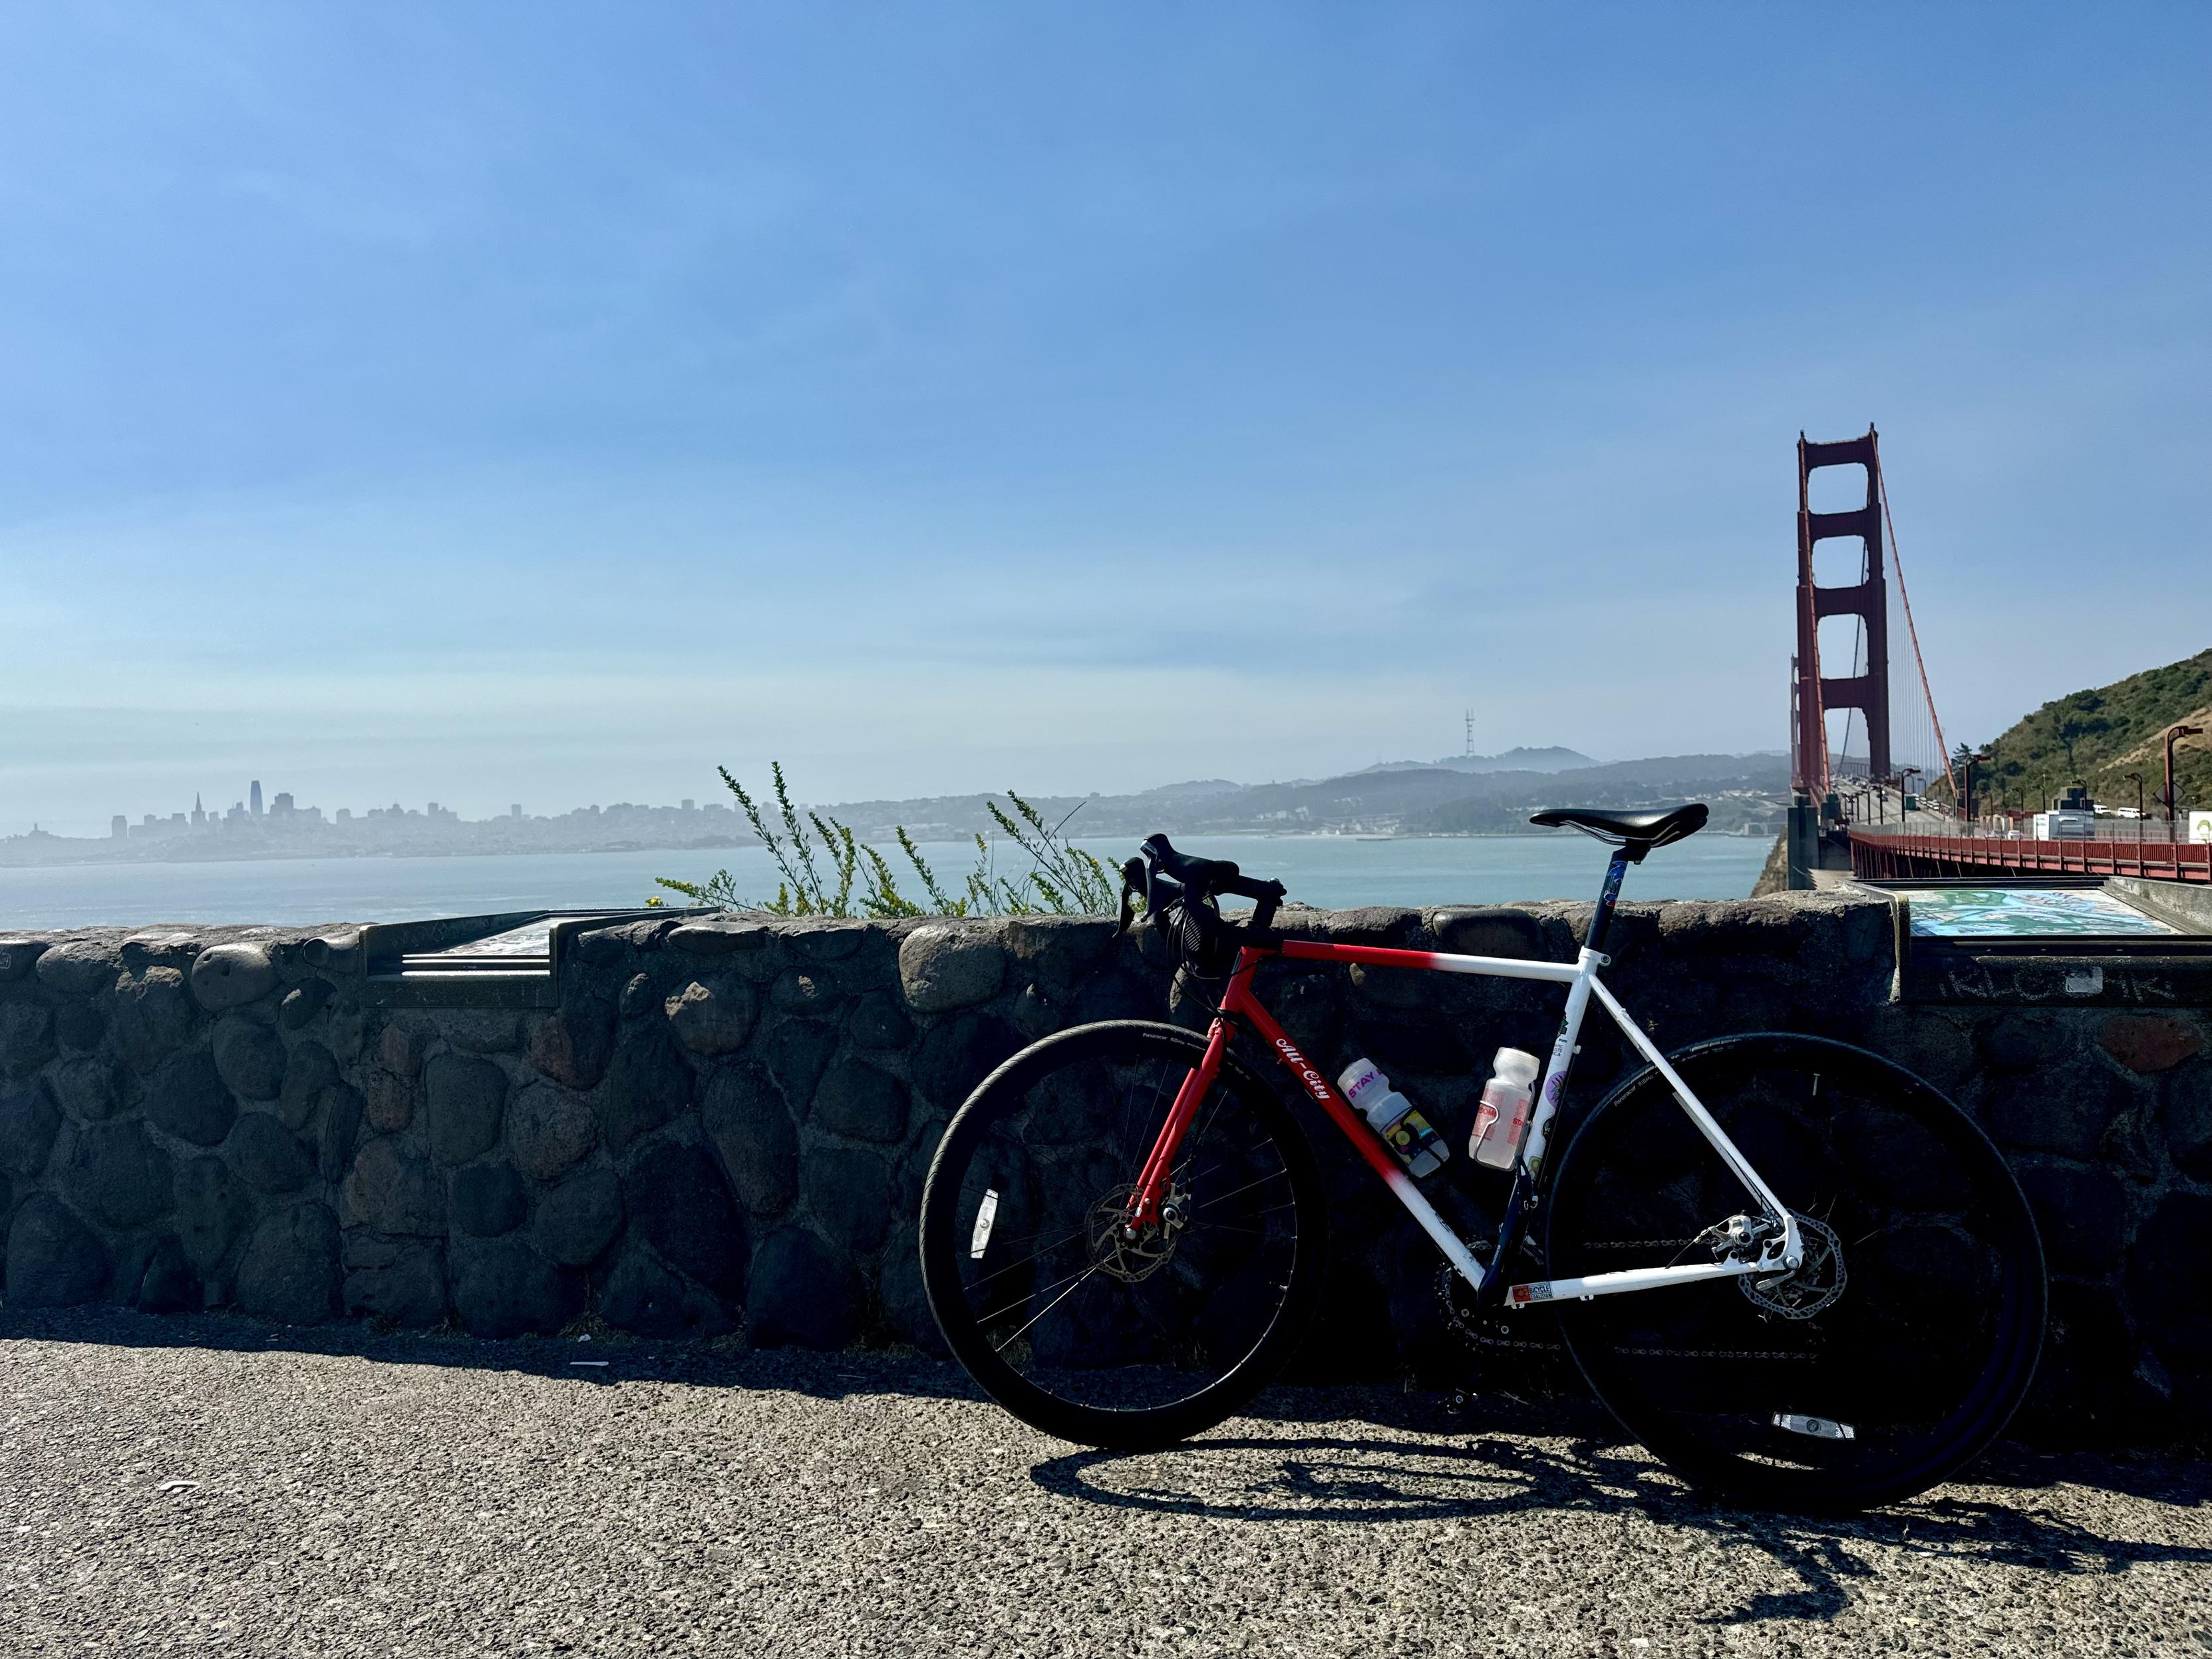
1897 856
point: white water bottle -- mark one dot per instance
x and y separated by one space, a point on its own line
1502 1118
1391 1115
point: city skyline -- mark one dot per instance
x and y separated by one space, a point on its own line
282 810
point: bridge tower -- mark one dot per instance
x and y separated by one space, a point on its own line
1814 692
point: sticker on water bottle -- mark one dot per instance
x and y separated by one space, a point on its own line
1417 1142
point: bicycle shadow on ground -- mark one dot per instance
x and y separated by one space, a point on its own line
1499 1472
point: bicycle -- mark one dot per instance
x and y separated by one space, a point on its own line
1123 1229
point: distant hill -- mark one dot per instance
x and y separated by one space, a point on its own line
1416 798
1513 760
1740 788
2098 736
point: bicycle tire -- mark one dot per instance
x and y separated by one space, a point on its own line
1128 1356
1929 1340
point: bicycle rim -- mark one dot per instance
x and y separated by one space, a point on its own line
1077 1328
1845 1385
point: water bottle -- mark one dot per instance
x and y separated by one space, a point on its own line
1407 1133
1502 1118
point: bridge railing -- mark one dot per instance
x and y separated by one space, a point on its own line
2153 832
1904 853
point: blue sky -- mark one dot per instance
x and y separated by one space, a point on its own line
491 402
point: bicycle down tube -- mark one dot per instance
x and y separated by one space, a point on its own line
1239 1004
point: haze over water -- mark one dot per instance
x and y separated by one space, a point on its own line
1332 871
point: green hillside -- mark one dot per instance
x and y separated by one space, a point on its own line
2098 736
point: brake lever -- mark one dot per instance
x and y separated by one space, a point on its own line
1132 875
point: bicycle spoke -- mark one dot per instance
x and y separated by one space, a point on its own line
1049 1306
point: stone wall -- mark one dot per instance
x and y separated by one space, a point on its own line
724 1125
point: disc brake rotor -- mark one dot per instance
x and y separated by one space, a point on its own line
1818 1281
1116 1254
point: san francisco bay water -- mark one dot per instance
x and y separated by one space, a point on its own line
1333 872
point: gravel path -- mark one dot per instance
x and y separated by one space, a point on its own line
207 1483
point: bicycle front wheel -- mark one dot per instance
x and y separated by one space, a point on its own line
1894 1355
1075 1327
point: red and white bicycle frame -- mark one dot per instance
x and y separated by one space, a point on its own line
1780 1253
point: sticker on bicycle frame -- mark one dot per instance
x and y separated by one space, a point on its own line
1525 1293
1818 1428
986 1214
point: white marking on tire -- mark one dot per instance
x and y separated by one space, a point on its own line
986 1214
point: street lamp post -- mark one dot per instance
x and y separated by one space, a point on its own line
2172 734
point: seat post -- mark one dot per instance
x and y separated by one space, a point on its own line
1601 921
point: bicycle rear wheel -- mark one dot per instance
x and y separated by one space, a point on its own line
1898 1352
1074 1328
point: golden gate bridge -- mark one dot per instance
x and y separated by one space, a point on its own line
1875 789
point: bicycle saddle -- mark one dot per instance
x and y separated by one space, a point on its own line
1646 829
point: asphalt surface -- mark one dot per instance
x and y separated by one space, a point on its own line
180 1485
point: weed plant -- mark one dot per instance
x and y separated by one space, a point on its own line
829 872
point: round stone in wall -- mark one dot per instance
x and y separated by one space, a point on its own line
268 1157
80 1025
579 1219
153 1015
800 1293
646 1084
226 976
17 955
210 1210
682 1206
403 1279
302 1003
249 1057
861 1101
502 1287
752 1130
945 966
849 1191
186 1097
290 1269
486 1199
394 1191
309 1069
85 1087
54 1261
27 1038
464 1096
118 1173
711 1019
549 1130
644 1296
79 967
28 1123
